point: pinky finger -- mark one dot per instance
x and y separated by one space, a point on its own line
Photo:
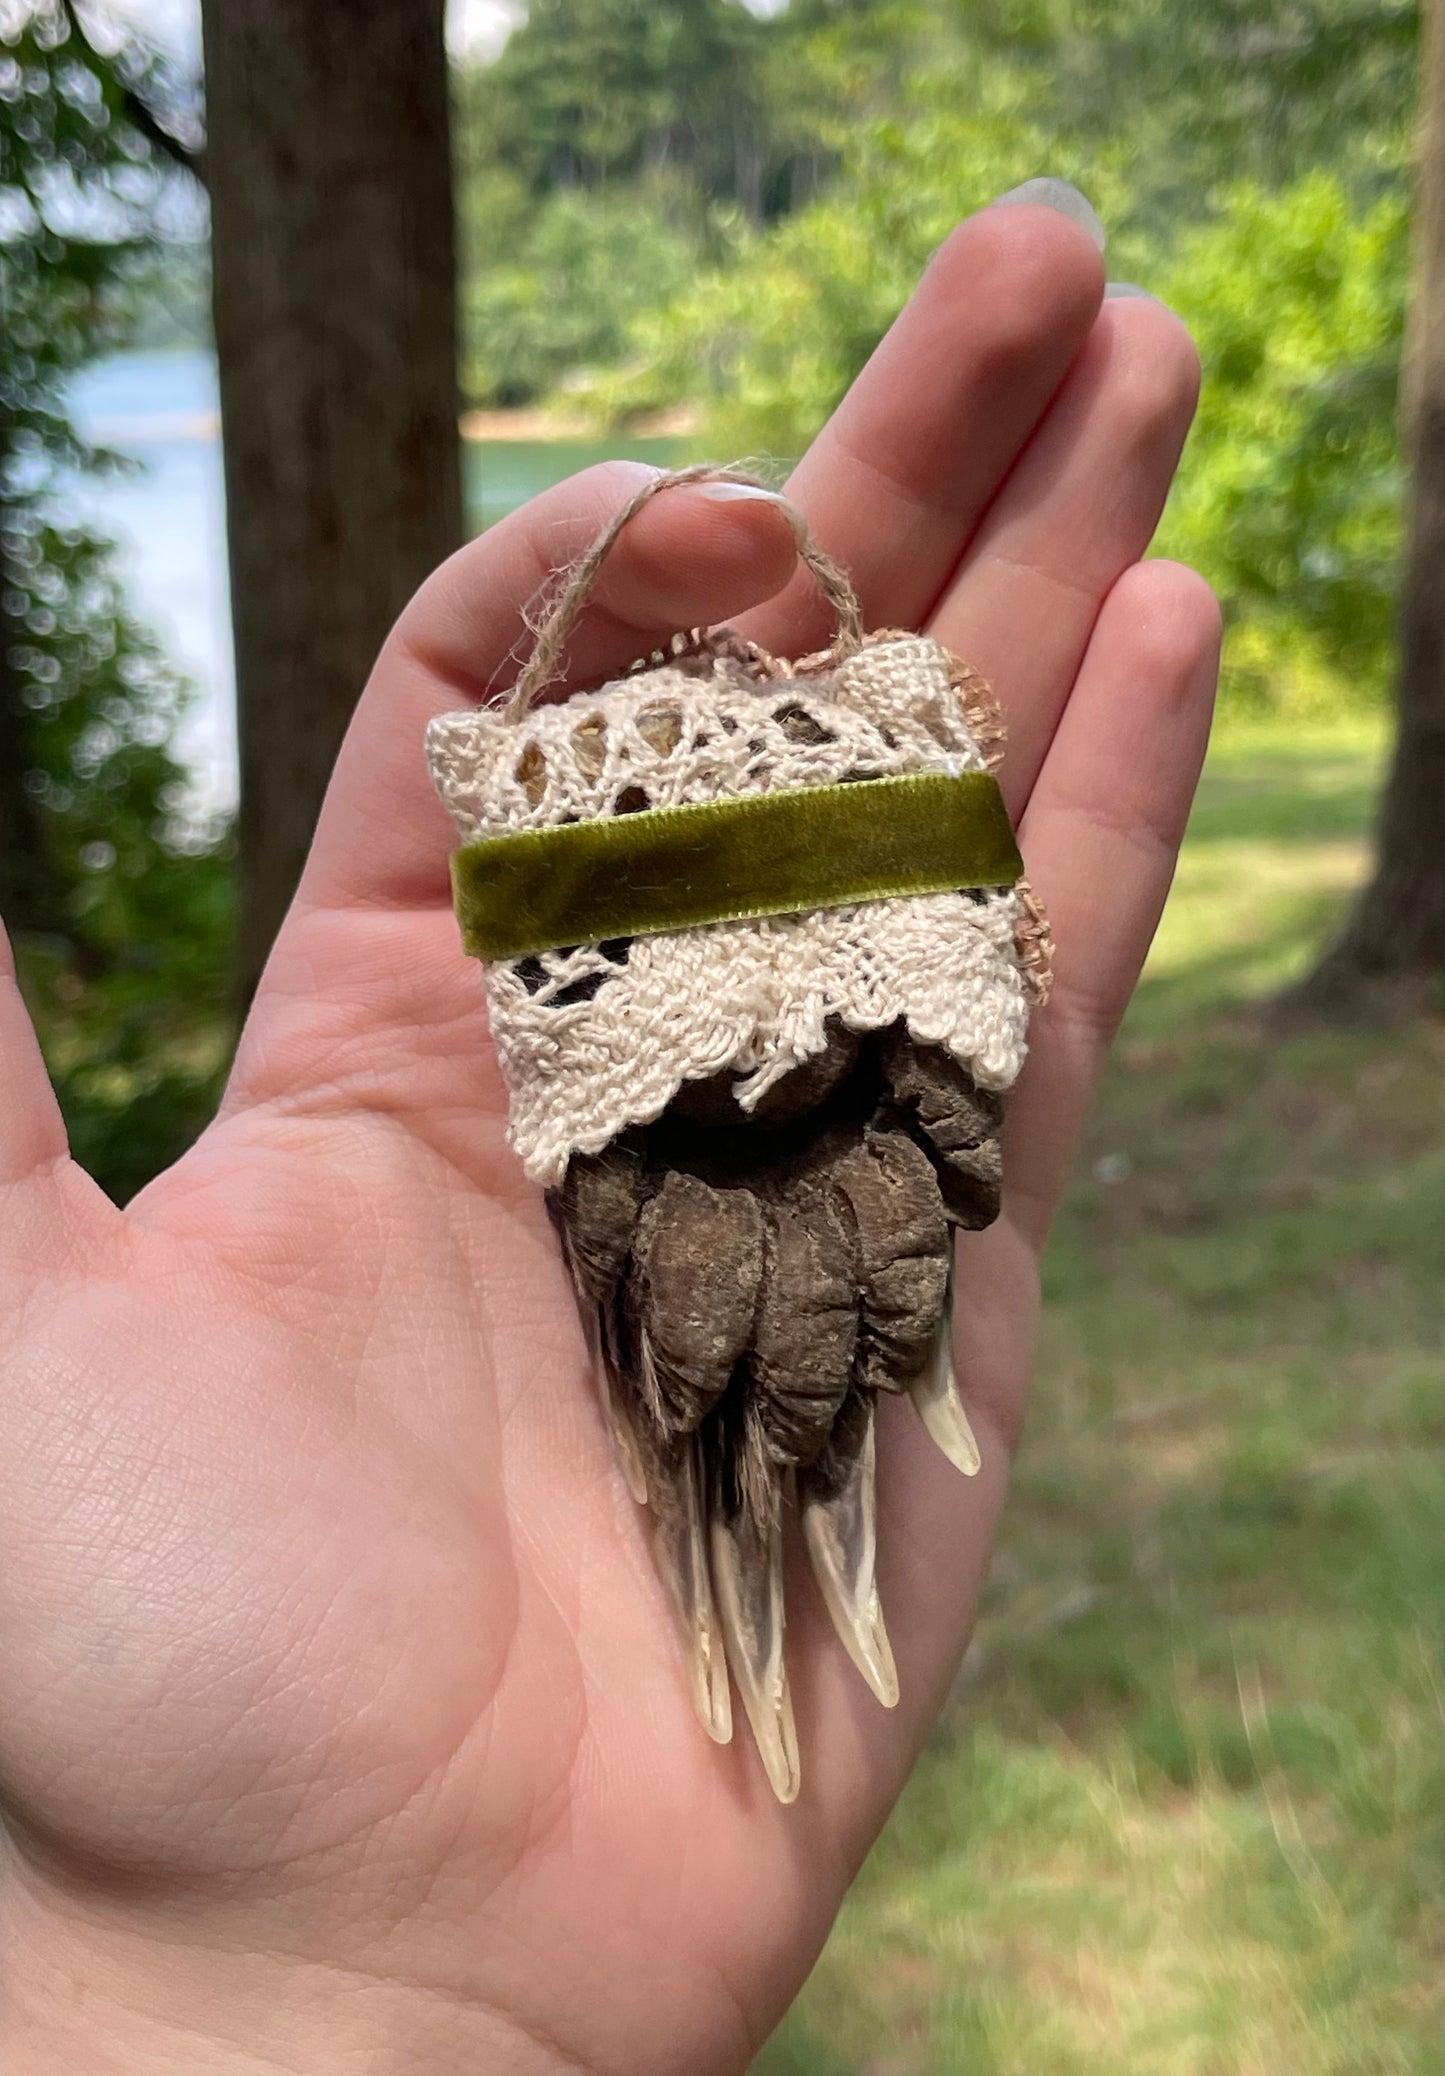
1101 837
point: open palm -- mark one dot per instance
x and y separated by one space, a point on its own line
340 1720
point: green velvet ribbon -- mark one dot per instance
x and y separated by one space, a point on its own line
673 868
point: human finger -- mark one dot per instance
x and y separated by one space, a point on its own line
1101 837
1078 509
897 480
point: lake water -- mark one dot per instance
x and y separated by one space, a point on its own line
169 519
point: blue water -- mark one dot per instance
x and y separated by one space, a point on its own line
168 518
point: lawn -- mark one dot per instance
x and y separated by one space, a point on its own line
1183 1814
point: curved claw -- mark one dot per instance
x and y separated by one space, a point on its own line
935 1393
679 1543
747 1570
840 1528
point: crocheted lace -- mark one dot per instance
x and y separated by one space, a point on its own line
595 1038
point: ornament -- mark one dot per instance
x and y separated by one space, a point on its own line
759 963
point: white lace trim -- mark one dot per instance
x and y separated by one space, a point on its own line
597 1038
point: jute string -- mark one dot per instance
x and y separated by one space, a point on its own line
544 664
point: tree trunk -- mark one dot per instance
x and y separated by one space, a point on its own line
28 895
329 170
1388 956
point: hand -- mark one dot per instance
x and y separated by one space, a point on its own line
341 1722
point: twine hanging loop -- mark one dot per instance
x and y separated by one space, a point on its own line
543 666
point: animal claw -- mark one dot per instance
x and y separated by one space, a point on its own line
679 1542
840 1528
747 1570
936 1395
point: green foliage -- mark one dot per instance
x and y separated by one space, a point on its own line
1252 175
584 265
1290 498
119 899
101 704
591 91
1228 89
768 341
608 153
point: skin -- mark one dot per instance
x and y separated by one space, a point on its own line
341 1725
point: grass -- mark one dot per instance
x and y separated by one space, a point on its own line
1183 1815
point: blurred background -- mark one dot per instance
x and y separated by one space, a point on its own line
1184 1813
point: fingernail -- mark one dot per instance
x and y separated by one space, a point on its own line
1115 291
1062 196
728 493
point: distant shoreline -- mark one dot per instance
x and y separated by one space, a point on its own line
532 424
527 425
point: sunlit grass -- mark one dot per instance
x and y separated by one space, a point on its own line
1183 1816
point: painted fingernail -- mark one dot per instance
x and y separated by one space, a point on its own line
729 493
1062 196
1115 291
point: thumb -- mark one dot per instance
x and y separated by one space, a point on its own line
701 553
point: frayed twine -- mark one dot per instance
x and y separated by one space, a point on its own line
552 618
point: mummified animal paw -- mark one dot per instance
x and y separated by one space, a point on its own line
666 878
750 1288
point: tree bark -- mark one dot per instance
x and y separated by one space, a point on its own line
1388 956
329 170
